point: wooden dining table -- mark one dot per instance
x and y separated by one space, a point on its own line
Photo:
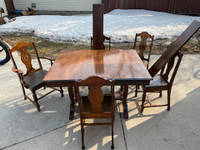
124 66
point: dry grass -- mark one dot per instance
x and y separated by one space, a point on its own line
44 46
48 48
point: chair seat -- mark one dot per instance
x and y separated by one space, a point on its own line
158 81
35 79
106 106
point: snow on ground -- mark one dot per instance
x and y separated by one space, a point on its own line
121 25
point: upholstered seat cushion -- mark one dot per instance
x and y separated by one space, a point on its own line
158 81
35 79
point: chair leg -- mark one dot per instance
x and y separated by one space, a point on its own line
160 93
143 100
112 146
136 90
24 93
61 92
36 101
124 100
168 99
82 133
121 88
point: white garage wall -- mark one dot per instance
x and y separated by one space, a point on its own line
2 4
57 5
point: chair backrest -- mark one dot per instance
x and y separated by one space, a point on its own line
104 38
143 44
23 48
95 95
168 67
174 47
1 11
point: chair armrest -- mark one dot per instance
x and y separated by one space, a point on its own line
48 58
20 72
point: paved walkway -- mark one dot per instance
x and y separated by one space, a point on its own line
23 128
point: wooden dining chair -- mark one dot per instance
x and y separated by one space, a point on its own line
104 39
161 81
33 78
96 105
143 46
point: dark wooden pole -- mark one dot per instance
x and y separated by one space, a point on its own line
98 10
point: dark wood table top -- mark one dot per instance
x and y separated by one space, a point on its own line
125 66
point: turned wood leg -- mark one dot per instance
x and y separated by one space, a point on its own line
121 88
143 100
168 99
61 92
36 101
160 93
136 90
82 132
124 99
24 93
72 103
112 146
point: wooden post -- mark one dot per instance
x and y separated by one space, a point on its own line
98 10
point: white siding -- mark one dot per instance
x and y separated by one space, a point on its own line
3 5
57 5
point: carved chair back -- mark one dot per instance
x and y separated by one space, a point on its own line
23 49
144 45
95 96
168 67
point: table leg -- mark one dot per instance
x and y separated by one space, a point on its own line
72 103
124 100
